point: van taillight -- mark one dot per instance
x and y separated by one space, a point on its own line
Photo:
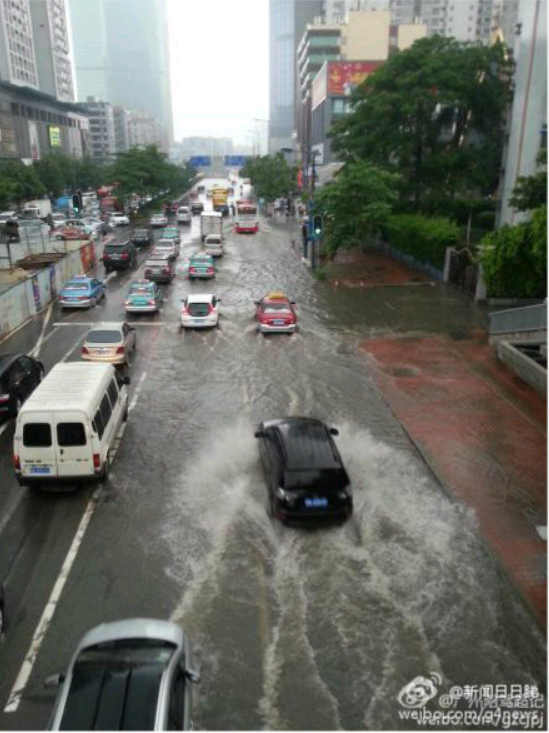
85 350
16 462
96 461
120 350
210 308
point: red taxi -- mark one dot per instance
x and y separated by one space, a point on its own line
275 313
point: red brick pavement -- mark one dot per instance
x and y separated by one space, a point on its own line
483 432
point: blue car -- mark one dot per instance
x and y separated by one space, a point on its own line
81 291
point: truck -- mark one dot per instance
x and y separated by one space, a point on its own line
36 209
219 200
211 222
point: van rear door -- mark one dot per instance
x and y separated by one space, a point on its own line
36 445
73 447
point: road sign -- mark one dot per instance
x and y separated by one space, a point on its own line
200 161
235 160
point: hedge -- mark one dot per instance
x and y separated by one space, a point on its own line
423 237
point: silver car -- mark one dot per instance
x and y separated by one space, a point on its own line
133 674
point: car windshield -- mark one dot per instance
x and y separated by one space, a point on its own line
103 336
332 479
198 309
140 233
76 286
114 248
128 651
145 288
275 307
201 261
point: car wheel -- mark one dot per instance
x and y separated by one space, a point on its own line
106 467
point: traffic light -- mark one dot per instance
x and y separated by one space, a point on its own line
317 226
77 202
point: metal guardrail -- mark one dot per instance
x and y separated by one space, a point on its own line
515 320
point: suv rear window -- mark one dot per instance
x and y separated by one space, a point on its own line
37 435
70 433
198 309
115 247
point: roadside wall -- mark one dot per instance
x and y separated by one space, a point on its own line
388 249
28 297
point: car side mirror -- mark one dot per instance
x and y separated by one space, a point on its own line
260 434
334 431
54 680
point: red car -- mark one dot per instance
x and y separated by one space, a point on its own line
275 313
70 232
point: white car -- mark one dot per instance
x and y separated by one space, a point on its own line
7 215
59 219
213 245
184 215
200 311
168 247
94 225
159 220
119 220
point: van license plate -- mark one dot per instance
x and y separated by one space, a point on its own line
39 469
316 502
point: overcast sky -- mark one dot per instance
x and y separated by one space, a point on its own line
219 58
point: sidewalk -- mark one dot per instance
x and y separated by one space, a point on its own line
479 427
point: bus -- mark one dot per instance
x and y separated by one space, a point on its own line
246 217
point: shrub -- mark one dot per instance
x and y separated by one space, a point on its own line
425 238
514 259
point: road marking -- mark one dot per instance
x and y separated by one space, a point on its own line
73 347
36 350
96 323
5 426
109 277
137 391
40 632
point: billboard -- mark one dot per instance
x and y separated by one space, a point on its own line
236 161
319 87
200 161
344 76
33 139
55 136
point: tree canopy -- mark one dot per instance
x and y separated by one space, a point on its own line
434 113
147 170
271 176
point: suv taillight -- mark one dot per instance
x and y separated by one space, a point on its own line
125 255
85 350
96 461
120 350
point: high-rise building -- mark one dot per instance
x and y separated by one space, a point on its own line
287 21
101 128
122 55
51 47
17 56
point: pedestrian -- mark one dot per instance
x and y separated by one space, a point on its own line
304 235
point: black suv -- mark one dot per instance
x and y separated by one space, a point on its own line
303 470
197 207
141 237
119 256
19 375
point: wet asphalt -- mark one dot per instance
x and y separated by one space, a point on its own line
293 628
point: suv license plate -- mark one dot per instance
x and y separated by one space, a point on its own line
316 502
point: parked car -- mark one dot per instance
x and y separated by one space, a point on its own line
213 245
110 343
304 473
197 207
143 296
71 233
133 674
184 215
118 219
275 313
81 291
8 216
119 256
172 233
141 237
158 220
159 269
202 266
19 375
167 247
200 311
59 219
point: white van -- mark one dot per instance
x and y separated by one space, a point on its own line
184 215
66 429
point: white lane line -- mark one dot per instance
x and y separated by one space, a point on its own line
40 632
95 323
5 426
109 276
36 350
137 391
73 347
50 334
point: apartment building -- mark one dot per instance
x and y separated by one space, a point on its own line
17 55
51 47
101 128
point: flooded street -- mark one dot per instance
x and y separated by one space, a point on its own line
293 628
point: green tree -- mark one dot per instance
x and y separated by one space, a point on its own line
355 204
271 176
19 182
531 191
435 114
147 170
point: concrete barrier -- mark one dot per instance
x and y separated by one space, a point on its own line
26 298
527 369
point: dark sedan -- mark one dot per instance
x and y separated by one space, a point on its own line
19 375
141 238
304 473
